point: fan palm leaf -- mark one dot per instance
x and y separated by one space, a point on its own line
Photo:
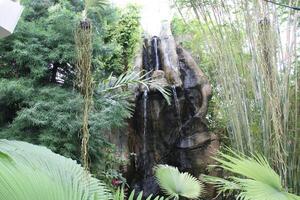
253 190
261 182
175 183
31 172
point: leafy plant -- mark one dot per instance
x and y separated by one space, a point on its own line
98 3
261 182
50 116
176 184
128 79
13 94
31 172
120 195
127 33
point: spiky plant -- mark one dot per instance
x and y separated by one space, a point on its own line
176 184
120 195
31 172
261 182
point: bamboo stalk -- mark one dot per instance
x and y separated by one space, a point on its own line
255 91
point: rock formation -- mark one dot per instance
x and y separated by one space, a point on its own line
174 134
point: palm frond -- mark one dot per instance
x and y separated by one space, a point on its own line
165 92
245 166
96 3
176 184
222 185
253 190
129 79
124 80
31 172
260 182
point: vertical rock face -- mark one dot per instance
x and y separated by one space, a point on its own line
176 133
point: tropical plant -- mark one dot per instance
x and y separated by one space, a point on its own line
50 116
31 172
260 181
120 195
129 79
176 184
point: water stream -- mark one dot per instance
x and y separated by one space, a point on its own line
177 106
158 133
144 151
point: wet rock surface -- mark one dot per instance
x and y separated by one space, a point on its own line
174 134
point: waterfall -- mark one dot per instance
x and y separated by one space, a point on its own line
155 46
159 133
177 106
144 151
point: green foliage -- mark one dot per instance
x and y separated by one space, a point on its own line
42 52
12 97
260 182
43 48
30 172
42 44
120 195
49 119
51 116
95 3
176 184
126 33
131 79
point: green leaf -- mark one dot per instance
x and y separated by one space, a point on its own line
140 196
37 173
131 196
261 182
176 184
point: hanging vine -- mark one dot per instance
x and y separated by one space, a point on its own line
83 42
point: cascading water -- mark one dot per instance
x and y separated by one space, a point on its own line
160 133
144 151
